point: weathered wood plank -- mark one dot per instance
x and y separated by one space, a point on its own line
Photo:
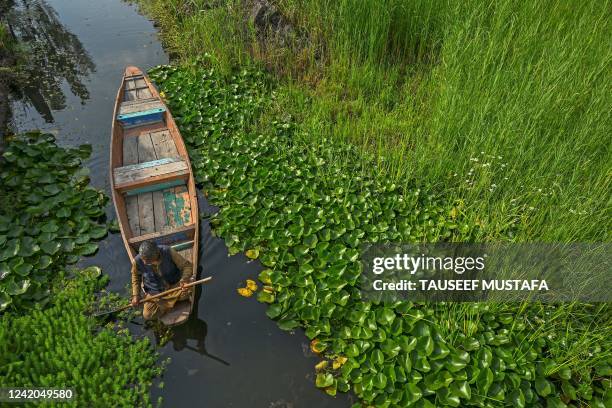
178 206
131 207
164 144
140 166
167 236
142 105
130 82
146 152
183 200
132 176
159 211
145 213
137 131
130 150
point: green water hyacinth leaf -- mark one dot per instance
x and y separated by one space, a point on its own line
91 272
274 310
390 347
11 248
324 380
88 249
385 316
425 345
4 270
50 226
288 324
543 387
24 269
265 297
98 232
28 247
517 399
50 247
265 276
252 253
51 189
17 288
5 300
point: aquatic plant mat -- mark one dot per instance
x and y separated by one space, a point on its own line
302 206
49 218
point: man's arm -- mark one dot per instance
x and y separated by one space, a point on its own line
135 280
183 264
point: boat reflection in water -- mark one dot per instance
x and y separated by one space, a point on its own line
182 335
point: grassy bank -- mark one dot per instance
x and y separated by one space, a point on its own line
503 105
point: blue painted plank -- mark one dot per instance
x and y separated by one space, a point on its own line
140 113
155 187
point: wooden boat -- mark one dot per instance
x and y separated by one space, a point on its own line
151 178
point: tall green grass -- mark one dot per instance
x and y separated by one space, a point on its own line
505 104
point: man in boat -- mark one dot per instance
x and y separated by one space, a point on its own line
159 268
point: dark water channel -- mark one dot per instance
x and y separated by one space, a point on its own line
229 354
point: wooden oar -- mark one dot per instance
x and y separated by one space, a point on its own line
150 298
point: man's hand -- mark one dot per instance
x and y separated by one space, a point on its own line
135 301
182 286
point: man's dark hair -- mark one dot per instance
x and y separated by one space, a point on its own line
149 251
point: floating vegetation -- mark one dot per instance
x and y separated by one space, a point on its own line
303 208
49 216
61 347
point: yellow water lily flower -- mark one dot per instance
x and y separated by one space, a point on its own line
246 292
251 285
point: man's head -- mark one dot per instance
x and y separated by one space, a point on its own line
149 253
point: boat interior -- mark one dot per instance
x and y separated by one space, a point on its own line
153 175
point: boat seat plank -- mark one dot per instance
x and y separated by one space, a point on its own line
164 144
167 236
130 168
178 207
131 107
135 177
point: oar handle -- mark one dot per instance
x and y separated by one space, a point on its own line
162 294
198 282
